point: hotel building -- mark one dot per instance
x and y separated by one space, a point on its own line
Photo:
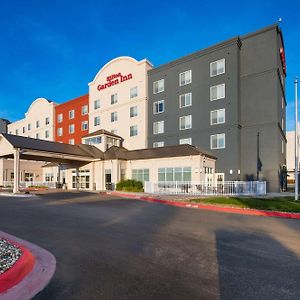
118 101
72 120
228 98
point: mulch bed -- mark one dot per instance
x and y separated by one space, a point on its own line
9 254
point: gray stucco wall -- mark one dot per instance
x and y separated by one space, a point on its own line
252 104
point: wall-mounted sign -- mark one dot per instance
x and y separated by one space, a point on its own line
114 80
282 57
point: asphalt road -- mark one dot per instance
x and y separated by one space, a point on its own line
112 248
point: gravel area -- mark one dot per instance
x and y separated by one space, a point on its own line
9 254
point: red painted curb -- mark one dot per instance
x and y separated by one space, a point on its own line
242 211
18 271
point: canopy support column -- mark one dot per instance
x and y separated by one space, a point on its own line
16 171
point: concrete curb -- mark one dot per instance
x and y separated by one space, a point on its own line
38 278
18 271
234 210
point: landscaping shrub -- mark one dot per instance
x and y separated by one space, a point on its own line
130 185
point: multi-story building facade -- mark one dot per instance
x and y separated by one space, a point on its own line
3 125
229 99
38 122
118 100
72 120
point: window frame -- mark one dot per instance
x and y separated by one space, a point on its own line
133 109
115 97
84 123
133 129
97 123
185 139
115 118
157 103
216 61
183 73
83 112
163 127
191 97
191 122
71 114
71 126
217 111
218 147
216 86
158 91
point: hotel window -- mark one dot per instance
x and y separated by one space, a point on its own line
37 124
60 131
175 174
158 127
158 144
113 98
217 141
47 121
185 77
217 116
29 127
185 100
71 142
84 125
37 136
133 130
93 141
23 129
84 110
133 111
133 92
47 134
159 107
71 128
185 141
59 118
17 131
97 121
185 122
140 174
217 92
71 114
114 116
158 86
217 67
97 104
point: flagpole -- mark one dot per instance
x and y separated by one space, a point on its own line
258 159
296 139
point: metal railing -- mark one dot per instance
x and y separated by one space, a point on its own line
27 184
204 188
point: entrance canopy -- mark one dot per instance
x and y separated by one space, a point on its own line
19 147
40 150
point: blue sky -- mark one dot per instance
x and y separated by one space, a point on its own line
52 49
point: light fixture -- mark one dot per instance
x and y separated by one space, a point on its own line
239 172
230 171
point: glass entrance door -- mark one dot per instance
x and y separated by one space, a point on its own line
82 180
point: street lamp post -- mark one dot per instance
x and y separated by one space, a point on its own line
296 139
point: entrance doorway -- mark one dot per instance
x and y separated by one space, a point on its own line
82 181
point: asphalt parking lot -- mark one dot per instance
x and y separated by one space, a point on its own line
113 248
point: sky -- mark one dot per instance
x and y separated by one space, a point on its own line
53 49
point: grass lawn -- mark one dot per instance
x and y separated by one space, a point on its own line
280 204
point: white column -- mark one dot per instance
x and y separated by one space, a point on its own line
16 170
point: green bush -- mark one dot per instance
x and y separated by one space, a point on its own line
130 185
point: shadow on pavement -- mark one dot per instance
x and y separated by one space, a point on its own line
255 266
